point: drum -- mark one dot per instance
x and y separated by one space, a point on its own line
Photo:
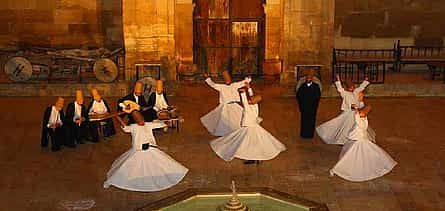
163 115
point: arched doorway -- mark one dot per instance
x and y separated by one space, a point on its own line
229 34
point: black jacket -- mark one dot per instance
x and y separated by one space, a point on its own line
141 101
46 116
70 113
308 97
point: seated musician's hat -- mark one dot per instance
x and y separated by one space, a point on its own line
79 95
138 86
95 94
59 103
159 85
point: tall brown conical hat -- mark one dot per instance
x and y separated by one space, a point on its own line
79 96
366 109
59 103
226 76
138 87
159 86
137 115
361 96
349 84
95 94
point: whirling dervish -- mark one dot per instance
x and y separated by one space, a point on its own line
250 142
144 167
360 158
336 130
226 117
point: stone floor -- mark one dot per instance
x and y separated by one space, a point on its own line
410 129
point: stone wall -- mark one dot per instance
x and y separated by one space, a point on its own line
50 23
112 28
61 23
379 23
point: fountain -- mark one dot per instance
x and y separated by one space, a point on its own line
234 204
257 199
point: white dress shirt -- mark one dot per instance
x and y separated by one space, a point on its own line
77 111
160 102
98 108
54 118
137 98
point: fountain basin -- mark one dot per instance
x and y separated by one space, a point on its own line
257 199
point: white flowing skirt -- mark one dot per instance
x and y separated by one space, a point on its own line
362 161
149 170
336 130
248 143
224 119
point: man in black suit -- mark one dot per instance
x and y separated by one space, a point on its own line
76 121
308 96
157 100
52 125
137 97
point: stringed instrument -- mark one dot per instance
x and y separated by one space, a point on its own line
127 106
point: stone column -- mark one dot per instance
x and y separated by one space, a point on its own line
272 9
184 36
184 30
308 34
274 22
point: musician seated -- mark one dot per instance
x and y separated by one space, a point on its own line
137 97
53 118
99 107
76 121
158 101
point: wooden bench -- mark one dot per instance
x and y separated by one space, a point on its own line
355 64
436 69
418 55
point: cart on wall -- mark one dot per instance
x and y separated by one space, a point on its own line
72 65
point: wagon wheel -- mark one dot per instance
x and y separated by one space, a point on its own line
105 70
149 86
18 69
